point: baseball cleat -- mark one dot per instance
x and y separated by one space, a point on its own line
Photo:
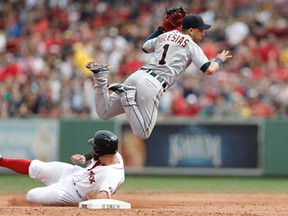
95 67
119 88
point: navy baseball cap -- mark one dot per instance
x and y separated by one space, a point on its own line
194 21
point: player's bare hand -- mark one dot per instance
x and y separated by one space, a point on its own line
224 55
77 158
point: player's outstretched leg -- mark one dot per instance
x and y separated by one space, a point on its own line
107 105
127 95
18 165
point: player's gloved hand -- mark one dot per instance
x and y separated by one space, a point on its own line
173 18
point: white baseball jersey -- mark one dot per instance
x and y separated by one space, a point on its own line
173 52
69 184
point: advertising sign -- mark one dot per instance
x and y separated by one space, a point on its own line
30 139
199 145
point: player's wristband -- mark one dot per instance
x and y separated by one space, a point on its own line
219 61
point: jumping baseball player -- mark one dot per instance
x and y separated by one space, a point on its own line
140 94
68 184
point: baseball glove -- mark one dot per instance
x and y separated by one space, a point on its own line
173 18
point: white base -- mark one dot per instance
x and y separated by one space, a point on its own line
104 204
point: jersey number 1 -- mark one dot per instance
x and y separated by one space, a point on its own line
164 53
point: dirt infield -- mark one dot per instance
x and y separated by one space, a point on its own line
161 204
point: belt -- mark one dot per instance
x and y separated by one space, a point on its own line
159 78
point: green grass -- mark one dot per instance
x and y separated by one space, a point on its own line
17 184
166 184
206 184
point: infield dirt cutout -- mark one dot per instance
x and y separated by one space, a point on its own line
160 204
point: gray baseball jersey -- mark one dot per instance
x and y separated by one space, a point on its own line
68 184
173 52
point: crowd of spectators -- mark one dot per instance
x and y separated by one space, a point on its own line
45 44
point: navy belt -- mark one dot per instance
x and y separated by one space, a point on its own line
159 78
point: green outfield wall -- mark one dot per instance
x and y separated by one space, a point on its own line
176 146
75 134
276 147
272 145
